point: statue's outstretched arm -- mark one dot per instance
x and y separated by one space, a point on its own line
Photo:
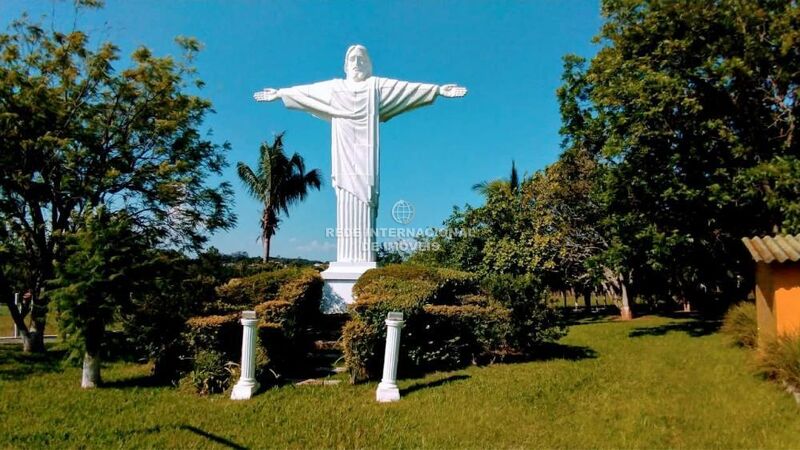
452 90
267 95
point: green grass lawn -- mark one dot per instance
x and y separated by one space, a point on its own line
7 323
652 382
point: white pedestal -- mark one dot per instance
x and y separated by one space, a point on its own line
339 280
244 390
387 389
247 384
387 393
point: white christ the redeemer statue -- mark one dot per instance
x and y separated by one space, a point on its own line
354 106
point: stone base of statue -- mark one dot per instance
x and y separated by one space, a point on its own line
387 392
244 389
339 280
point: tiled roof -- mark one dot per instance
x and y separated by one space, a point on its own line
769 249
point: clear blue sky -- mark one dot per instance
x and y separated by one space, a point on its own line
507 53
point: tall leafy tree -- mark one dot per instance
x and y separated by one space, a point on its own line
278 182
567 198
692 108
459 245
78 134
502 236
104 262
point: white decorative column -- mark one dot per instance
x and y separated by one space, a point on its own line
387 389
247 384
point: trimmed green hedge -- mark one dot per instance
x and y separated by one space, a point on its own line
286 302
240 294
448 283
407 288
213 333
450 321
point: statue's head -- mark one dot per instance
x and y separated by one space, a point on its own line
357 65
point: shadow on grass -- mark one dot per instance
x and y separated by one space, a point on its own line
432 384
553 350
212 437
596 315
16 365
192 429
694 328
593 320
696 315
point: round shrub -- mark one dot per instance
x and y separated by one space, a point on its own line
741 325
531 321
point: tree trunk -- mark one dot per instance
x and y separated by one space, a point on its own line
34 342
32 339
93 334
564 293
16 316
265 241
625 313
91 371
587 300
269 222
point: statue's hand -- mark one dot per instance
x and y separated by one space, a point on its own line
267 95
452 90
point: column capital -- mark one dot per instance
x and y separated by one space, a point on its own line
394 319
249 318
395 323
249 322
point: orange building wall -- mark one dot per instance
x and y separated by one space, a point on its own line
786 284
777 300
764 304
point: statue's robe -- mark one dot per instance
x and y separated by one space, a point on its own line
355 110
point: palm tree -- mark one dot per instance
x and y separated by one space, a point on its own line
278 183
486 188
